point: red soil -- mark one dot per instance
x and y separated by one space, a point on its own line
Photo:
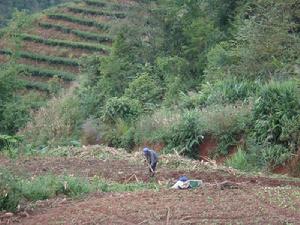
208 145
201 206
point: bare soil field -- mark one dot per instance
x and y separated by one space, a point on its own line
121 170
251 200
208 205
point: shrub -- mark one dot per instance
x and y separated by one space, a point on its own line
152 127
186 134
121 108
257 156
275 155
120 134
276 107
226 123
145 90
185 130
15 115
56 124
10 194
223 92
228 91
55 84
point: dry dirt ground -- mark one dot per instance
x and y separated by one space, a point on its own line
255 200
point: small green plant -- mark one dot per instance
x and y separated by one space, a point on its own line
9 145
8 140
239 161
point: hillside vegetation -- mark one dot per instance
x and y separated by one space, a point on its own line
7 7
85 85
162 73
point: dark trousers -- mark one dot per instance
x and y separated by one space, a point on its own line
153 167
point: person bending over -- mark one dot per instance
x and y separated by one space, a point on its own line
152 159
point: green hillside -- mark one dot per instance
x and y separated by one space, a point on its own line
174 75
52 45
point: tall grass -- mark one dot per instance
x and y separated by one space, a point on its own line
56 124
64 43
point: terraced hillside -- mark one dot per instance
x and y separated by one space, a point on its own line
53 45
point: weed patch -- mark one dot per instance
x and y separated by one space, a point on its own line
14 189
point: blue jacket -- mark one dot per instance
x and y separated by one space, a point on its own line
152 157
